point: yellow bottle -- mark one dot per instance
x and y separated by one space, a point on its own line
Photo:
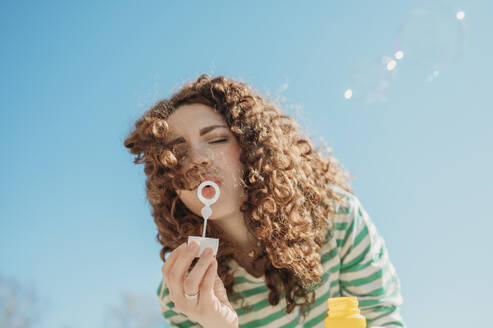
344 313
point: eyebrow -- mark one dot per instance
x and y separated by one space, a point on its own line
201 132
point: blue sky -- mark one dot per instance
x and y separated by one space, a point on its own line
75 225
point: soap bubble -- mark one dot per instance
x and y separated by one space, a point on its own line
348 94
433 76
432 38
370 80
429 41
391 64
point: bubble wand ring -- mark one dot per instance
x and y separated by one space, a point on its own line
208 201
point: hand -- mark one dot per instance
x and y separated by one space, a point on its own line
211 308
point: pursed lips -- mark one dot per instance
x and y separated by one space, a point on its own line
213 179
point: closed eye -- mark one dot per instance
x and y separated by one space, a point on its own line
219 141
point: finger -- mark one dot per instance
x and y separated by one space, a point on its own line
207 286
194 278
172 258
167 267
186 258
177 272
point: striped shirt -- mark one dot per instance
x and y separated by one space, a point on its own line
355 262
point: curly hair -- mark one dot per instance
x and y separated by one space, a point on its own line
287 181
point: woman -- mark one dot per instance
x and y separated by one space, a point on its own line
291 233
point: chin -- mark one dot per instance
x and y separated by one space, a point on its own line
217 216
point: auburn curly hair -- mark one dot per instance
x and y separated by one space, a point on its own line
287 181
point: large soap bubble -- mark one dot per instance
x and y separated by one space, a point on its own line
432 39
429 42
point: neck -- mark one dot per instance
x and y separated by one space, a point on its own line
236 231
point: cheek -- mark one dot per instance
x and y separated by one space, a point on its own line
227 157
185 196
233 153
236 168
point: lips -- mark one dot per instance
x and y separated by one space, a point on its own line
213 179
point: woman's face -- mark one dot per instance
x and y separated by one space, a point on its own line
202 138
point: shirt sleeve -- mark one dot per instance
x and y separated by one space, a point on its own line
175 319
366 270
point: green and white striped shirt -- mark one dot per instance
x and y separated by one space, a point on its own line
356 263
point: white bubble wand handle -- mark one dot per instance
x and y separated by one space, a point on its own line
206 213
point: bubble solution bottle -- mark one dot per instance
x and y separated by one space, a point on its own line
344 313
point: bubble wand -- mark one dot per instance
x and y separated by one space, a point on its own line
206 214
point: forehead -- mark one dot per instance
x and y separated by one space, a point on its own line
190 118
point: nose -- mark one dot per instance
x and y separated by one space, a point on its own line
199 157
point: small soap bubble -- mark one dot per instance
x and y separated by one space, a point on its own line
399 54
348 94
433 76
460 15
391 65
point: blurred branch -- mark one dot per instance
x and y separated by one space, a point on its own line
134 312
18 307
